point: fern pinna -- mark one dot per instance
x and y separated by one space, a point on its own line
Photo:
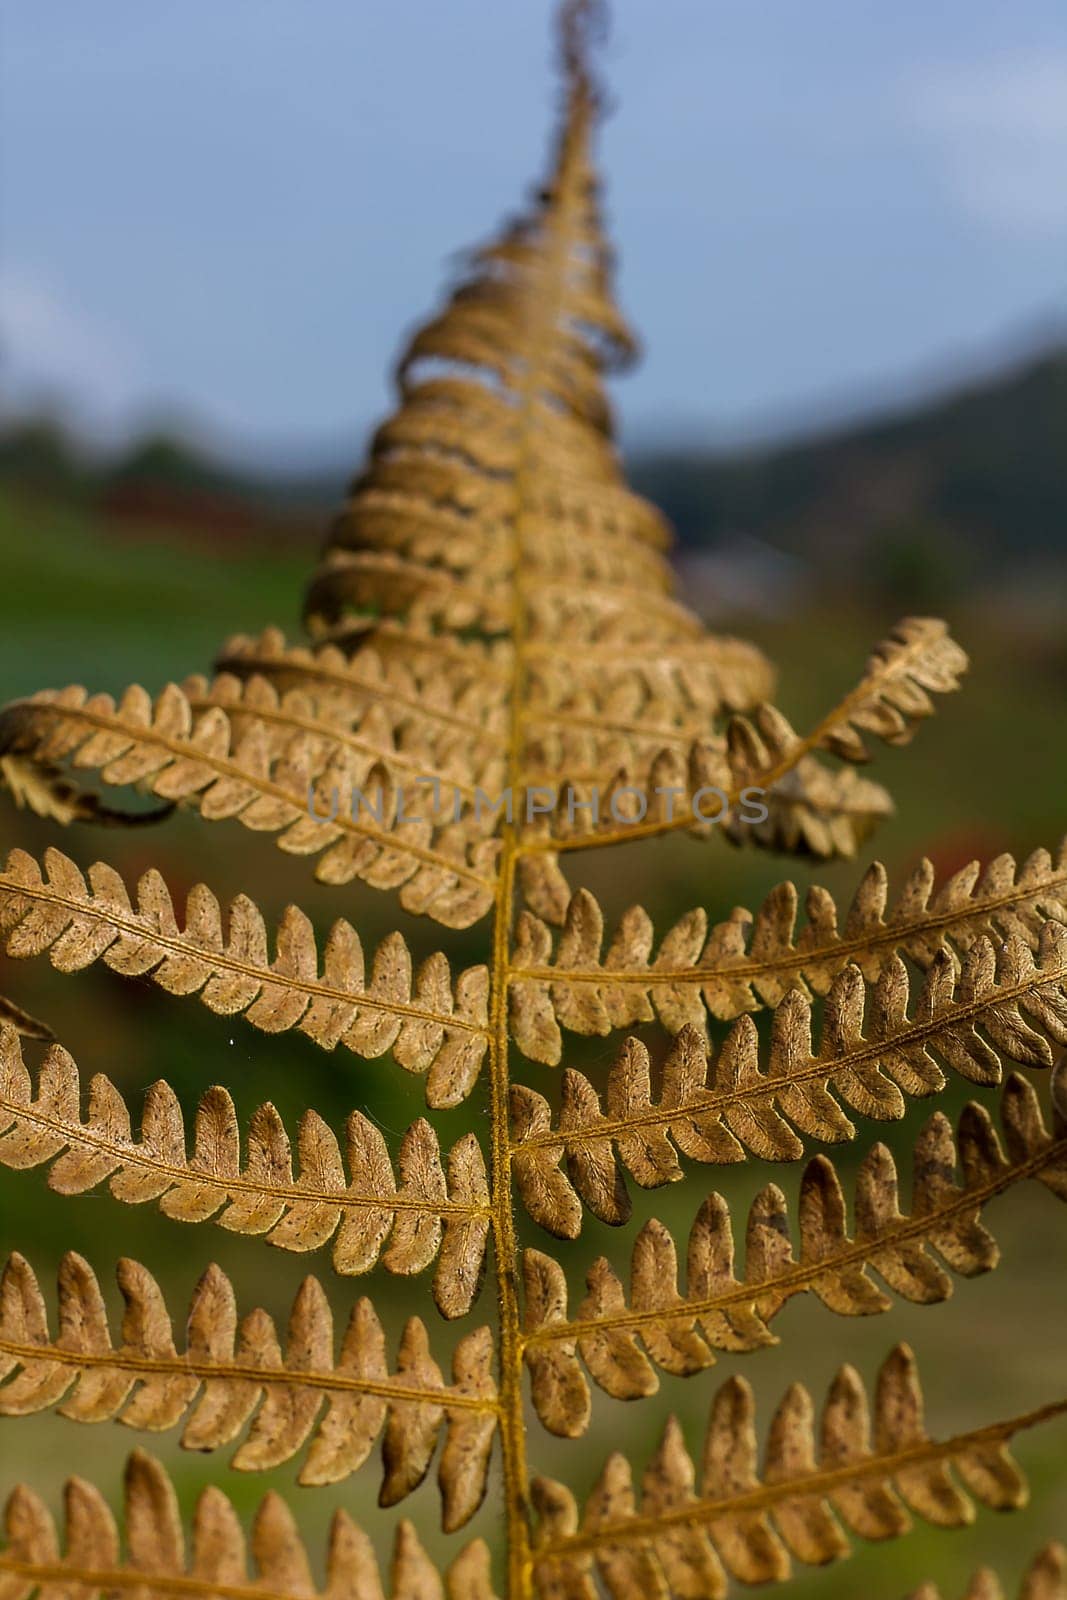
499 678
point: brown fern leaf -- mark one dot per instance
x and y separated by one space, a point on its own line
811 810
156 1565
446 695
666 694
42 788
917 659
792 804
618 712
871 1054
592 729
358 819
708 674
677 1540
765 753
369 1216
430 1025
231 1365
492 497
370 733
751 961
621 1344
1045 1580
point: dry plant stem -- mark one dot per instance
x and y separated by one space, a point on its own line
103 1580
505 1251
188 1367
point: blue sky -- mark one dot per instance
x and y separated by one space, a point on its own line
230 210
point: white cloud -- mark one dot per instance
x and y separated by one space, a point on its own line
51 349
999 130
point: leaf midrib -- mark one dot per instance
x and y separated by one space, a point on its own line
124 1360
77 1136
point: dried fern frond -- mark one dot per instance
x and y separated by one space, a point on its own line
917 660
1045 1580
721 781
878 1043
156 1564
40 787
747 961
369 1215
450 696
813 804
432 510
679 1540
621 1343
530 539
277 764
672 692
372 732
231 1365
431 1025
310 802
766 753
499 675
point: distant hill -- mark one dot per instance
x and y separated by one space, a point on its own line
935 496
965 479
163 481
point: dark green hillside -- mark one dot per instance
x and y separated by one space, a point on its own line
978 475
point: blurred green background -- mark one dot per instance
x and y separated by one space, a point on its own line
137 568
